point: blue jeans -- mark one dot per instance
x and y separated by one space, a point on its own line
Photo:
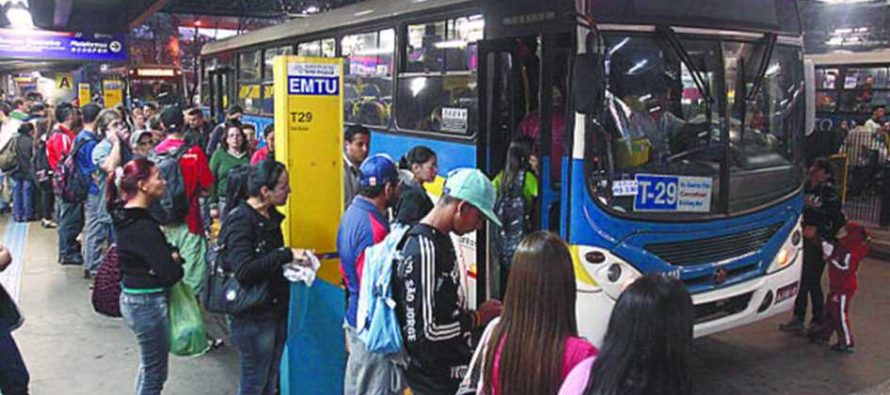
13 373
22 197
146 315
260 342
70 225
97 231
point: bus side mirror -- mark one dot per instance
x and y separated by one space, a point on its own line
588 83
809 69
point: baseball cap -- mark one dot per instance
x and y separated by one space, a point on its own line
472 186
378 170
134 138
172 119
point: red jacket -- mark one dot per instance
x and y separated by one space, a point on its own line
843 258
197 177
60 142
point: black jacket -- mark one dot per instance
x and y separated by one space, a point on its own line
24 154
143 252
413 205
824 210
253 248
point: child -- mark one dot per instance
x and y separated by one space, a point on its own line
843 259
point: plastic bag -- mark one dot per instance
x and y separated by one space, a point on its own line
188 337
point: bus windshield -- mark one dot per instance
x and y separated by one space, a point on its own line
670 109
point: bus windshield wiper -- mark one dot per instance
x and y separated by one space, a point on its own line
770 40
701 83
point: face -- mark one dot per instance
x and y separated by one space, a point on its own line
278 195
357 149
817 175
426 172
879 113
117 127
139 119
154 186
234 138
148 112
467 219
196 121
250 133
138 112
270 141
144 145
75 118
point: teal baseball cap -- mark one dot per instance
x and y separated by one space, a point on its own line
474 187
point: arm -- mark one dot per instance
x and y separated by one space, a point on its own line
214 169
833 208
250 268
156 252
114 157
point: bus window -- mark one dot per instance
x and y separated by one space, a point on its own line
826 78
329 48
866 78
249 66
367 83
324 48
826 101
267 105
250 73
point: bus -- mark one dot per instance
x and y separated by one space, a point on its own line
669 134
159 84
848 86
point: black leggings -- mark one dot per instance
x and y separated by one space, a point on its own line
45 200
811 283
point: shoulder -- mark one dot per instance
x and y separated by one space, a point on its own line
578 349
578 378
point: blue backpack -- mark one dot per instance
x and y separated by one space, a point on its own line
376 321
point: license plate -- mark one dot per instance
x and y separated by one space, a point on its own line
786 292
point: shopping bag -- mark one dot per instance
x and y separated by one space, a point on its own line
188 337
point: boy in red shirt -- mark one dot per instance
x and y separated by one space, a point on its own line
843 259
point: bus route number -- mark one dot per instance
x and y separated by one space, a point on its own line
301 117
657 193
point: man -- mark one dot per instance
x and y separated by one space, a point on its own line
70 214
23 175
431 299
249 130
95 231
111 152
187 236
14 376
20 110
233 114
268 150
142 143
357 142
139 120
873 124
149 110
199 130
364 224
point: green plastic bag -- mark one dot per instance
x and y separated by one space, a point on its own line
188 337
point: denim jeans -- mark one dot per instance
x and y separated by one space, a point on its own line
97 231
146 315
260 342
13 373
70 225
22 197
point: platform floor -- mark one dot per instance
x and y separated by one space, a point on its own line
71 350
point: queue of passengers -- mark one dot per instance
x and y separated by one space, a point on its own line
241 186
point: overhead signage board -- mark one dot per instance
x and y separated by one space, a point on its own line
53 45
64 81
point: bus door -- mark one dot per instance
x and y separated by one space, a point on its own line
221 91
522 84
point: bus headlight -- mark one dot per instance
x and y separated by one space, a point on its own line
615 277
787 254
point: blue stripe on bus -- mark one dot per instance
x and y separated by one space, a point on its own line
449 154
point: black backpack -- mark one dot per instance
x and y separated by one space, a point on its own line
174 205
513 211
41 163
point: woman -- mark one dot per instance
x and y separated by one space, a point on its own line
23 175
44 175
648 344
268 150
253 248
148 266
517 188
233 151
414 203
531 358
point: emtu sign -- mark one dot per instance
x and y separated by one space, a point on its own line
313 79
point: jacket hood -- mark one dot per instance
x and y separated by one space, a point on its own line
855 237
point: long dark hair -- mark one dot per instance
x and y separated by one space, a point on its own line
416 156
248 181
123 183
539 313
648 342
517 162
224 143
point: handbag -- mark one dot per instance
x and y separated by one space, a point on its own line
107 287
10 316
223 294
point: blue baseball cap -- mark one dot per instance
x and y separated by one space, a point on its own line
377 170
474 187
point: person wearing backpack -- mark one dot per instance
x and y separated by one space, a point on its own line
189 180
364 224
517 189
43 175
95 233
430 297
69 214
23 175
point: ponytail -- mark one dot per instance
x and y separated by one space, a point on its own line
236 188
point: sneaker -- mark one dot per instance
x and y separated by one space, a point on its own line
794 325
50 224
214 344
842 348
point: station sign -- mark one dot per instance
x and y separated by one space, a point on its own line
112 92
668 193
83 93
55 45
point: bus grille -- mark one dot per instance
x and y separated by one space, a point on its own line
713 249
722 308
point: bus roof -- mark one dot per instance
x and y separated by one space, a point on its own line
362 13
850 58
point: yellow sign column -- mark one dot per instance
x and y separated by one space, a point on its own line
113 92
309 140
83 93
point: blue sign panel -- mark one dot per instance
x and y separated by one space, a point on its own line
53 45
656 193
313 85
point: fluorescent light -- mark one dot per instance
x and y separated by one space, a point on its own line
19 17
417 85
451 44
773 69
638 66
618 46
373 51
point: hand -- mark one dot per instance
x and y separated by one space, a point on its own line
214 213
176 257
809 232
5 258
488 311
112 137
300 256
